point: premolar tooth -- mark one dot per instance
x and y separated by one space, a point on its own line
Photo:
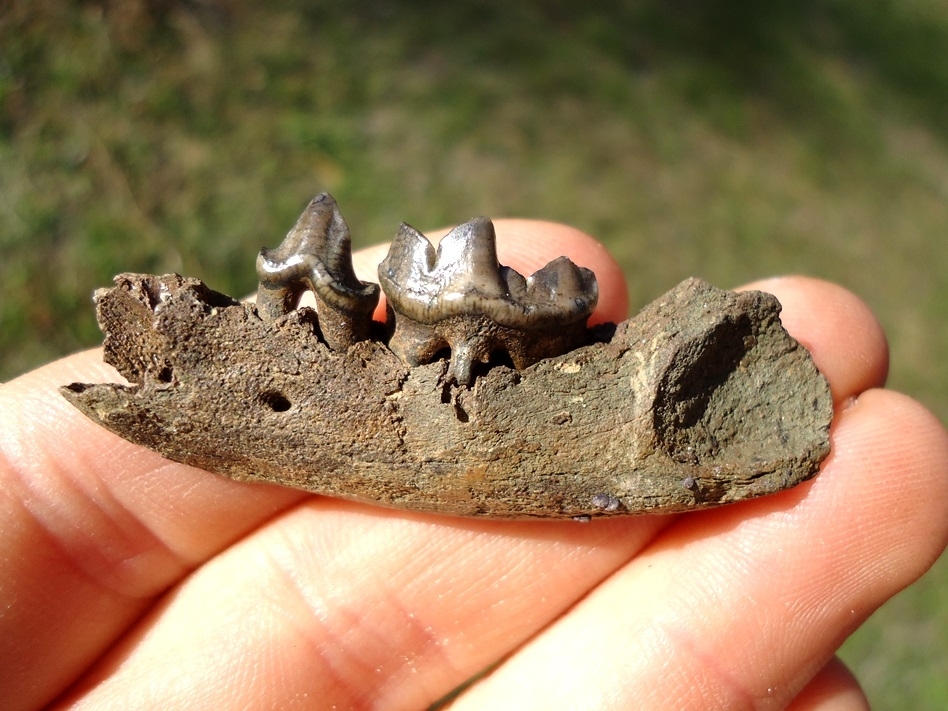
316 255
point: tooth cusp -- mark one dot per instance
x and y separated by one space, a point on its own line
316 255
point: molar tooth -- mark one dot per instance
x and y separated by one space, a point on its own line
317 255
463 297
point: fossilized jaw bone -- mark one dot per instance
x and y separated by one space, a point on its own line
701 400
461 298
317 255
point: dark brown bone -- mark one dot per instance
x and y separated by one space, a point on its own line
702 399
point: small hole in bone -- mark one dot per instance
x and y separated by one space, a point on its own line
166 375
275 400
498 357
441 354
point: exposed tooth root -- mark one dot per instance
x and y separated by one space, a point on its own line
463 299
316 255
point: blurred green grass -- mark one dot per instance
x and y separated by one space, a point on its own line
729 140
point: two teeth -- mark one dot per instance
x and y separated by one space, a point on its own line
459 297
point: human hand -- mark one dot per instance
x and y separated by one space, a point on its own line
130 581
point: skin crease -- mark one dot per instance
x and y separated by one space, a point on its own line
134 582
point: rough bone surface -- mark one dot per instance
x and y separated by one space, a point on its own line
700 400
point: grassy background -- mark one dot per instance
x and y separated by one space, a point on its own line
728 139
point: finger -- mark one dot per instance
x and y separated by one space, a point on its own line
101 526
528 245
842 334
739 607
834 688
358 607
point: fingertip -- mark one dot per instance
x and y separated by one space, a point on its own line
840 331
896 450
